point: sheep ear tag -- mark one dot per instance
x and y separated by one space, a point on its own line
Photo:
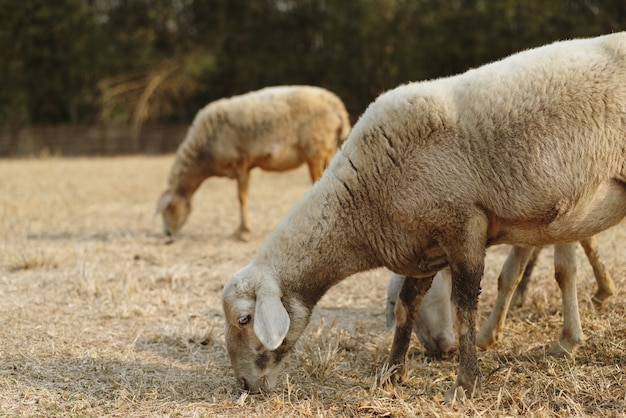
271 320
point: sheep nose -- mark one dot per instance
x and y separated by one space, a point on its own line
445 344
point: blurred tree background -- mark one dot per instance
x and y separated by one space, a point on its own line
136 61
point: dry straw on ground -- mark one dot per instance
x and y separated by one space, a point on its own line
100 315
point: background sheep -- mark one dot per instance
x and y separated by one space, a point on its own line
276 129
434 324
526 151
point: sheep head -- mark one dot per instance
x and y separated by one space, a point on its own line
175 208
262 325
434 326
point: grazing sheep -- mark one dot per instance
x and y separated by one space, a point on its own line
434 324
276 129
527 151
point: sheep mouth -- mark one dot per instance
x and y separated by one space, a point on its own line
254 388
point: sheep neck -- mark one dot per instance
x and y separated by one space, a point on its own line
315 247
191 168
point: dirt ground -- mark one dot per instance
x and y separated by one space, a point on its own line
101 315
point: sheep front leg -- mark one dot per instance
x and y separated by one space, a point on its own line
407 305
510 276
465 291
316 164
243 232
606 287
565 274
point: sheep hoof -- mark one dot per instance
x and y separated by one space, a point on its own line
485 340
462 390
243 235
455 393
601 298
398 376
391 375
564 349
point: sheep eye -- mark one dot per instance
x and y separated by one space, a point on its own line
244 320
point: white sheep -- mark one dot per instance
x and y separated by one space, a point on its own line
434 324
276 129
527 151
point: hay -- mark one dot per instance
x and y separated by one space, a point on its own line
100 315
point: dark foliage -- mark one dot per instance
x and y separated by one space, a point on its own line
131 61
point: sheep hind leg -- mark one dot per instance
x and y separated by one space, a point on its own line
407 305
511 274
243 232
606 287
519 296
565 275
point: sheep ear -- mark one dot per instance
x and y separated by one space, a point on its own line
271 320
164 202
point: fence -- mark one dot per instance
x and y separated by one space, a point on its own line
71 140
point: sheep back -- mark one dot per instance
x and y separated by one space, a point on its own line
276 128
526 138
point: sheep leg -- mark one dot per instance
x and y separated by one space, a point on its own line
519 297
606 287
510 276
465 291
565 274
243 232
316 165
407 305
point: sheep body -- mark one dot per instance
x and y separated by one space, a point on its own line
527 151
276 129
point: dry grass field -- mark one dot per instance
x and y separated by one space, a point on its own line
101 315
